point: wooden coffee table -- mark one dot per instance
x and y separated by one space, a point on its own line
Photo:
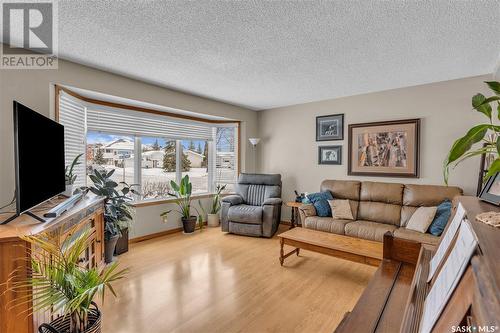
344 247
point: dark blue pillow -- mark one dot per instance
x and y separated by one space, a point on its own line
441 218
320 202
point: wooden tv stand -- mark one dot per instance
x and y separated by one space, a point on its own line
393 300
88 213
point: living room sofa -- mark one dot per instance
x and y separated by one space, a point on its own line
378 208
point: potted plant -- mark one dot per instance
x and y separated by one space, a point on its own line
117 208
70 176
182 193
61 285
487 133
213 216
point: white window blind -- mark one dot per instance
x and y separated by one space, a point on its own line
145 124
72 117
226 155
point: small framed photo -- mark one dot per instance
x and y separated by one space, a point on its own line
330 155
491 191
330 127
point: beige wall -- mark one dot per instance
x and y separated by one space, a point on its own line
34 88
288 134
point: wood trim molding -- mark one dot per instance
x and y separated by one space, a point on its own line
159 234
157 202
138 108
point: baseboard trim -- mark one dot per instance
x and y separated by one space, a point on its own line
159 234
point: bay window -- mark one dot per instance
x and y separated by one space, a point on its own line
147 148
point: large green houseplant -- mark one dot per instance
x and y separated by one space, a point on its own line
60 284
487 133
117 208
182 193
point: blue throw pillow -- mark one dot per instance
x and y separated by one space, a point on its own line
441 218
320 202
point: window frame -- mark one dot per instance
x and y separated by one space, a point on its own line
138 145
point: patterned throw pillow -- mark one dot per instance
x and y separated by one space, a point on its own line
320 202
341 209
443 214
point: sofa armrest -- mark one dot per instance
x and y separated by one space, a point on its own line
233 199
306 211
273 201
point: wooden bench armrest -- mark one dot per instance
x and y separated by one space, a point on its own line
401 249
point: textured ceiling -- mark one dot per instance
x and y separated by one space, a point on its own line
264 54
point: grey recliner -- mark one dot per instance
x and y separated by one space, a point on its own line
255 209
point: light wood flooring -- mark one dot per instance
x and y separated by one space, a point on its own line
210 281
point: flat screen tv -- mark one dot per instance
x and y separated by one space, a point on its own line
39 158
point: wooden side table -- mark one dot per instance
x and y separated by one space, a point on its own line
295 213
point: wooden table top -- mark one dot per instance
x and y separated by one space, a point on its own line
27 225
293 204
343 243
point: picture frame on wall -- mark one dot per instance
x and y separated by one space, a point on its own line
385 148
331 155
491 191
330 128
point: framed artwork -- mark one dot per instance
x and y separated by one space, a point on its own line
330 155
330 127
491 191
386 148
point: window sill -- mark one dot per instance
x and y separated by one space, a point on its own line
156 202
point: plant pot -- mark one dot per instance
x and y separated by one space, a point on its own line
109 248
62 324
213 220
189 224
69 190
122 244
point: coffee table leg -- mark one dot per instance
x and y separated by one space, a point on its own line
282 253
298 250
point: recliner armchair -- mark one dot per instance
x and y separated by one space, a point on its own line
255 209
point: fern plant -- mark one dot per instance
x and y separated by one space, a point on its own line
58 282
486 133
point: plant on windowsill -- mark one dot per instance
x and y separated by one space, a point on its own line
60 284
70 176
182 193
117 208
213 216
488 133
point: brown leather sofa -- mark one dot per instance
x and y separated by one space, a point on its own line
378 208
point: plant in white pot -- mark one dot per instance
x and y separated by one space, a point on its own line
70 176
182 193
60 284
213 216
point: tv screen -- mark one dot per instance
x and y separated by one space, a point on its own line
39 155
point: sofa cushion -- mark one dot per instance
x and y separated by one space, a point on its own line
391 193
421 219
415 236
428 195
368 230
342 189
327 224
246 214
341 209
443 214
320 202
379 212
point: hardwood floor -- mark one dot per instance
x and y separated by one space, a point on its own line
215 282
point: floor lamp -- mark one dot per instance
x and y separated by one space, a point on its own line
254 142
